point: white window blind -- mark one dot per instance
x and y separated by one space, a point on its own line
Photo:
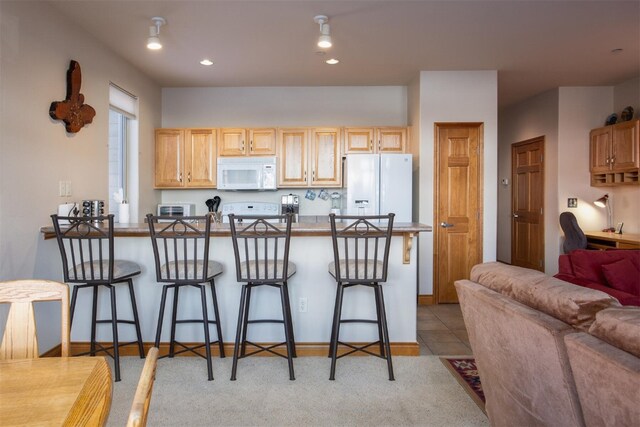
123 101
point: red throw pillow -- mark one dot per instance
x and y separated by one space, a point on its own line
623 276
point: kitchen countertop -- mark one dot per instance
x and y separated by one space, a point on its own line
308 226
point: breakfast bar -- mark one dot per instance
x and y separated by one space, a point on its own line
312 291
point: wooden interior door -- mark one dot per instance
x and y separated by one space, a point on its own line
458 205
527 200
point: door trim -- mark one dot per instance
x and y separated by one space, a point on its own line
436 196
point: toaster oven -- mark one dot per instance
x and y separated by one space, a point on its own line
176 209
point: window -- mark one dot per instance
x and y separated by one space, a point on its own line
122 139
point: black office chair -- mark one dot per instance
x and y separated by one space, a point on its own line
574 238
361 257
87 250
181 253
262 259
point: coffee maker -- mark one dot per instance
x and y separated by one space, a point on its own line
289 203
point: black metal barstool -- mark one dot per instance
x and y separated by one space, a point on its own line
181 253
361 256
87 250
262 259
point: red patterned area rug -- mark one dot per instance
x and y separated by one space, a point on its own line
464 369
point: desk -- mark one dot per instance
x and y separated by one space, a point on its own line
604 240
55 391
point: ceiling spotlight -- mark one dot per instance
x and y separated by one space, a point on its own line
153 42
206 62
332 61
324 41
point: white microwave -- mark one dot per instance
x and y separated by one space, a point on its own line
247 173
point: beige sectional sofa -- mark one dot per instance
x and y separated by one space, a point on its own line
551 353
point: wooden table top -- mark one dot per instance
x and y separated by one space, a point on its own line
55 391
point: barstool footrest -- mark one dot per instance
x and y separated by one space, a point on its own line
196 321
189 349
362 349
265 321
358 321
263 348
110 321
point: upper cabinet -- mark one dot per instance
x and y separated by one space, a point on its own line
185 158
292 155
375 140
309 157
247 142
614 154
325 158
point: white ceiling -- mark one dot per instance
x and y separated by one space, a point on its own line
534 45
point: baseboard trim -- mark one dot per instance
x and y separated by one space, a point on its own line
302 349
425 300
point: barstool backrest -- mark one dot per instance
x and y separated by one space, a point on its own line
261 249
360 247
180 247
86 248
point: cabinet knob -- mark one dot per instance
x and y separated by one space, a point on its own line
180 177
305 175
189 177
371 145
251 146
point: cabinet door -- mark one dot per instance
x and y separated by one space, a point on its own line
169 158
392 140
599 150
292 155
200 158
232 142
358 140
624 146
326 158
262 142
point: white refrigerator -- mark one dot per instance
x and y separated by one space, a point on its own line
377 184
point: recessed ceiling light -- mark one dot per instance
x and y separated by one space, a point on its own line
332 61
206 62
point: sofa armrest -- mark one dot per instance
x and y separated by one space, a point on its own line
564 265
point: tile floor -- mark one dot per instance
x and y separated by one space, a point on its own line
441 331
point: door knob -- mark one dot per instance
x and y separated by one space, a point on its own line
516 215
445 225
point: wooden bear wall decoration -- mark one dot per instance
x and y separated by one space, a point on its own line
73 111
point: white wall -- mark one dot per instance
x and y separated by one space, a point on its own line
535 117
626 200
580 110
564 116
278 107
36 152
457 96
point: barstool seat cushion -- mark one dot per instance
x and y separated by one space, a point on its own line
121 269
349 271
271 271
194 270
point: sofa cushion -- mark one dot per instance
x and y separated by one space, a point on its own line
588 264
619 327
574 305
623 276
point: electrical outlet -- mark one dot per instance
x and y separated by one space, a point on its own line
302 305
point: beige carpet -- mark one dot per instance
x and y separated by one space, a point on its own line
424 393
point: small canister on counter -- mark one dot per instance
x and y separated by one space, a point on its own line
93 208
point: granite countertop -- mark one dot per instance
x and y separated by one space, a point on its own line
307 226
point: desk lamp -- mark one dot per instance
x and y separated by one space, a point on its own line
603 202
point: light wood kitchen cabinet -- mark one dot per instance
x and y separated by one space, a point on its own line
292 155
325 158
247 142
375 140
185 158
614 157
